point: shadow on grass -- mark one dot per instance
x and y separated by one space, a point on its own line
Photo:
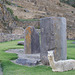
71 46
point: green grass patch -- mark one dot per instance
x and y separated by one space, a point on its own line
10 10
19 6
16 18
22 20
69 2
28 20
10 68
9 3
38 27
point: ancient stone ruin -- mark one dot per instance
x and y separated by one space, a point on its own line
31 43
53 37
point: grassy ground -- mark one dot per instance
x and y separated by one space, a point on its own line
10 68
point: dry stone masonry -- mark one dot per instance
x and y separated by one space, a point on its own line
53 37
8 37
31 44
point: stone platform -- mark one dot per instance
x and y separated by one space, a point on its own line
25 59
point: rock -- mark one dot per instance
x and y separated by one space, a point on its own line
20 43
28 62
31 44
25 59
39 16
73 42
25 10
53 37
41 8
48 13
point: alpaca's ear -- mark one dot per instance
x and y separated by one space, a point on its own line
48 52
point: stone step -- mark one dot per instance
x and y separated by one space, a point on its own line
30 56
28 62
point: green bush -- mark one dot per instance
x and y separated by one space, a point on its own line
70 2
20 6
38 27
7 2
28 20
10 10
16 18
73 5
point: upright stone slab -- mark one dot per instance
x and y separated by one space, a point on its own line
53 37
31 43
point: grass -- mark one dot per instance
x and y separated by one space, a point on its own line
10 10
10 68
22 20
9 3
70 2
28 20
16 18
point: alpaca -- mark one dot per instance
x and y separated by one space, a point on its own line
61 65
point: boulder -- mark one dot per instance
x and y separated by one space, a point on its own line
73 42
20 43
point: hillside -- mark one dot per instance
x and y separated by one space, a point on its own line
70 2
42 8
36 9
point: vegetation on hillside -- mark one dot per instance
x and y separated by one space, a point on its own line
70 2
10 10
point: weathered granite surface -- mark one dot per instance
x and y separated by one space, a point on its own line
53 37
31 44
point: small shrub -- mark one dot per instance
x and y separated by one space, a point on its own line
10 10
16 18
72 11
7 2
73 5
22 20
38 27
20 6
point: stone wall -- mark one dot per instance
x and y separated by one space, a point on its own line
8 37
71 34
14 36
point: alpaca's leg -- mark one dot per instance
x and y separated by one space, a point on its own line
57 70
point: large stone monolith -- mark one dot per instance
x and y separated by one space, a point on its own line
53 37
31 43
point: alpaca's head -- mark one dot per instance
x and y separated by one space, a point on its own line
50 53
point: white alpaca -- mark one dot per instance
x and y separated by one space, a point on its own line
62 65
